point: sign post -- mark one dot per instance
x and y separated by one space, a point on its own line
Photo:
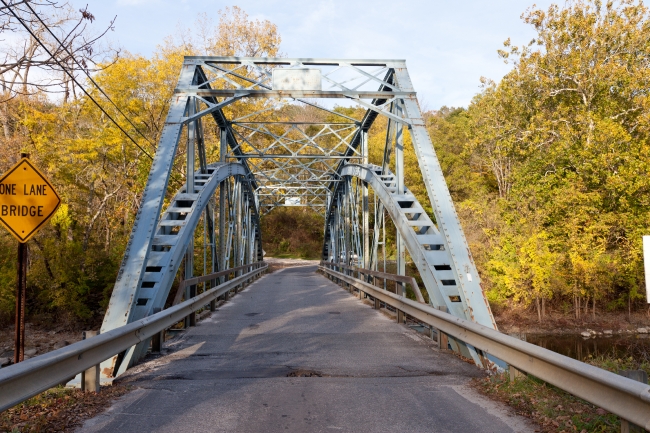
27 201
21 300
646 265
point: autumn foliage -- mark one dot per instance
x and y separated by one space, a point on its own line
549 168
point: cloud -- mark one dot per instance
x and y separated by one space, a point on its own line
137 2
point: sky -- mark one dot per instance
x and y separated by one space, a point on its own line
448 45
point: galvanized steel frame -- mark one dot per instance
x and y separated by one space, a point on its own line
297 167
155 249
280 159
420 236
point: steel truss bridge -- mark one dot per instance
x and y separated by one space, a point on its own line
252 134
279 144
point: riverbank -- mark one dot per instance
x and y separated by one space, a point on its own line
519 321
38 340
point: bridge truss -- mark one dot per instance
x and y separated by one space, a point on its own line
254 134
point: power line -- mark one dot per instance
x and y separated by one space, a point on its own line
72 76
87 74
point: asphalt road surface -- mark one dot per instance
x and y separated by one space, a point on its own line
294 352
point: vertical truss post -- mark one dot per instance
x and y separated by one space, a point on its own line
348 220
400 252
366 216
200 142
205 245
375 235
237 203
209 214
190 291
222 207
191 135
213 256
399 152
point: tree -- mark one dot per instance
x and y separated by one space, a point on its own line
98 171
566 136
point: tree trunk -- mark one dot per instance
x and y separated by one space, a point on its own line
629 307
107 242
593 311
46 262
539 310
543 308
66 92
4 118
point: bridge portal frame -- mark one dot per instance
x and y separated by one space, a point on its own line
294 162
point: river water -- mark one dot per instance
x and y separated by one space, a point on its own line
581 348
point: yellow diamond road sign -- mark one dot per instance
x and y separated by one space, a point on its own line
27 200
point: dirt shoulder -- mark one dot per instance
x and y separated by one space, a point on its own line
58 409
279 263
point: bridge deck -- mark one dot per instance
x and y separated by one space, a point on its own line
233 372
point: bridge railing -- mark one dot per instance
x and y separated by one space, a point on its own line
21 381
624 397
225 274
372 276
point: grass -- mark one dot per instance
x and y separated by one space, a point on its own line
58 409
614 364
552 408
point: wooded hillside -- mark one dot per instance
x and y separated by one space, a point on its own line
549 167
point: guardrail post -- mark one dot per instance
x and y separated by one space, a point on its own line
158 337
639 376
90 377
400 288
377 304
192 316
401 317
443 340
514 373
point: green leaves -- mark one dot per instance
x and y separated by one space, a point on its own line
564 136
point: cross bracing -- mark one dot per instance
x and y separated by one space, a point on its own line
254 135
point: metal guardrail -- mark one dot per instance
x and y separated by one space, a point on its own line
204 278
21 381
382 275
619 395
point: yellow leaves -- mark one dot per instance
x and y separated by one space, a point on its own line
239 36
565 136
62 217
